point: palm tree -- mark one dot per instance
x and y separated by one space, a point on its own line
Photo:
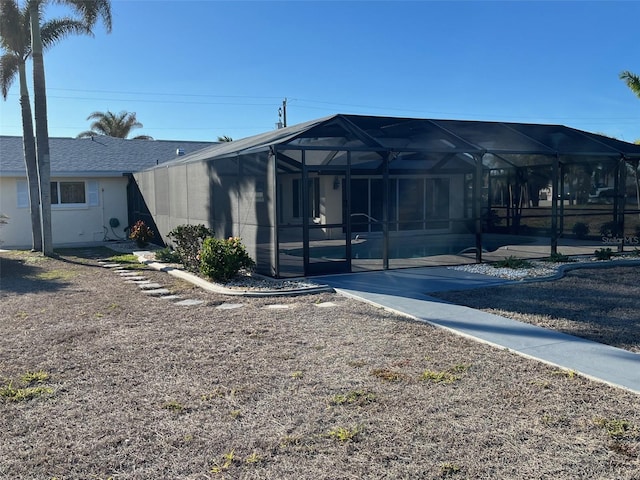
225 139
113 125
632 80
15 39
89 11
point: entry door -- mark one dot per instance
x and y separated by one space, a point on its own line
327 247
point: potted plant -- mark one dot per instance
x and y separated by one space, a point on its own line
141 234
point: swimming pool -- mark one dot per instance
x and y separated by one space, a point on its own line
405 247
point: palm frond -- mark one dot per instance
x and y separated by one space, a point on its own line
632 80
15 31
55 30
9 66
91 10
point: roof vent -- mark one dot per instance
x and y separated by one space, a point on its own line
180 152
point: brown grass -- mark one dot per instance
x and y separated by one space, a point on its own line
144 389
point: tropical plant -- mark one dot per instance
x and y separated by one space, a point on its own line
15 39
118 125
88 12
603 254
225 139
188 241
141 233
221 260
633 82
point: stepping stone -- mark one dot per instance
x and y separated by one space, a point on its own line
129 273
189 302
170 297
142 281
149 286
229 306
111 265
326 304
157 291
277 306
135 279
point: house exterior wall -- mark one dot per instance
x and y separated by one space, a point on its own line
71 224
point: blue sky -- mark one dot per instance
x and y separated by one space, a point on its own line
194 70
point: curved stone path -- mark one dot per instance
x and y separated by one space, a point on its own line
160 291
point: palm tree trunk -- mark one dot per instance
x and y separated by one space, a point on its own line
29 147
42 130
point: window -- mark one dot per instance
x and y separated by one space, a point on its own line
75 193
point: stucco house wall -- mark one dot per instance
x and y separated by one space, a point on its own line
95 172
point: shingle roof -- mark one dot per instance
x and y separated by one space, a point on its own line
97 156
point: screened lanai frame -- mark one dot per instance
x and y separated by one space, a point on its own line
315 170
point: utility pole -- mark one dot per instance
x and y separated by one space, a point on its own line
284 112
282 115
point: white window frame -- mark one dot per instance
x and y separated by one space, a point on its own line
91 194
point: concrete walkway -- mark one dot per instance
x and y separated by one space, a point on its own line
407 292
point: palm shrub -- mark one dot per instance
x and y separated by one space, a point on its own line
221 260
188 240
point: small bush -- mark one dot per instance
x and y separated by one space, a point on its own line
167 255
609 229
580 229
221 260
141 233
559 258
603 254
512 262
188 241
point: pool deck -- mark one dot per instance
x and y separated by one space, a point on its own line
407 292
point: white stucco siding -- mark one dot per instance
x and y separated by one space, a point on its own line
77 223
17 231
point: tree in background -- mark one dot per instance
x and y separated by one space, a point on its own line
225 139
15 40
633 82
113 125
88 11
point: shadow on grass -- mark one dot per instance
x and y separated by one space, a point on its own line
18 276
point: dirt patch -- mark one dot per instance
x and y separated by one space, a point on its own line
143 388
599 304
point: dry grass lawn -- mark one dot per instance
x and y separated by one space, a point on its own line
126 386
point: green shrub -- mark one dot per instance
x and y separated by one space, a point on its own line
512 262
221 260
188 241
580 229
559 258
167 255
603 254
609 229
